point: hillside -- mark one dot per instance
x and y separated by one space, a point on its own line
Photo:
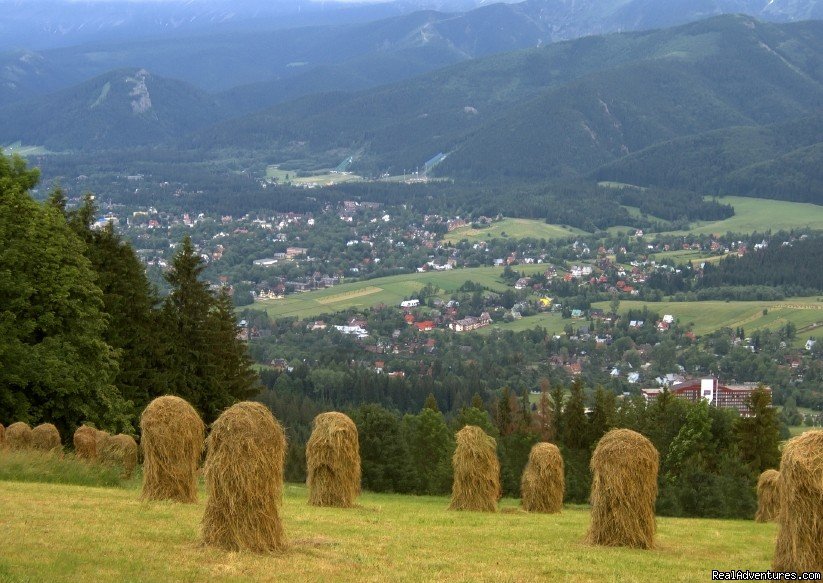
109 535
560 110
218 45
124 108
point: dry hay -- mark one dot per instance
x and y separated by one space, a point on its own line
542 484
85 443
100 438
172 441
624 489
476 471
2 436
799 544
45 437
768 498
333 461
18 436
120 450
244 479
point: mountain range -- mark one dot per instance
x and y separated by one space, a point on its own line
729 102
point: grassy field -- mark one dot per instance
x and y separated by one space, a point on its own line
385 290
71 533
325 178
512 228
757 214
683 256
553 322
805 313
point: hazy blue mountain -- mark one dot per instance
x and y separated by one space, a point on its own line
121 109
218 45
564 109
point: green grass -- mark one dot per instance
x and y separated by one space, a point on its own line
384 290
553 322
757 214
683 256
273 171
513 228
70 533
31 466
805 313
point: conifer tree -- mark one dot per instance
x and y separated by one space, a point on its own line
55 365
575 430
758 435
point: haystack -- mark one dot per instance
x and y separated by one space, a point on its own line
100 438
624 488
476 471
85 443
244 478
172 440
768 498
2 436
18 436
800 536
542 484
45 437
333 461
120 450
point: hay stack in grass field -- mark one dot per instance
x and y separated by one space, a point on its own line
45 437
624 489
799 544
100 438
476 483
543 482
120 450
333 461
85 443
18 436
245 454
768 497
2 436
172 441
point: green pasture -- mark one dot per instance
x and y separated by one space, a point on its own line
758 214
384 290
512 228
805 313
553 322
66 533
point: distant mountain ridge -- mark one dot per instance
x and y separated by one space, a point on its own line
380 44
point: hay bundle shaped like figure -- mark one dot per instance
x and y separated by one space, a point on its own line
768 497
800 536
333 461
18 436
172 440
244 478
543 482
624 489
45 437
85 443
120 450
476 483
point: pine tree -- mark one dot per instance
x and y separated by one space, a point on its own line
431 403
758 435
205 362
575 427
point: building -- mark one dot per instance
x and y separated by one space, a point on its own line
724 396
471 323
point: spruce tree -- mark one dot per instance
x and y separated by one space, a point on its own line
575 430
758 435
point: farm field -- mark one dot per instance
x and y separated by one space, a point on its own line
384 290
758 214
683 256
553 322
708 316
512 228
73 533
